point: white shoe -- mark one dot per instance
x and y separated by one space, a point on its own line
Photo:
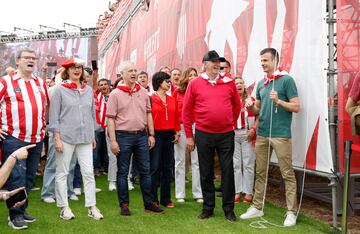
77 191
97 190
112 186
252 212
66 213
73 197
290 219
48 200
130 185
180 200
94 212
199 200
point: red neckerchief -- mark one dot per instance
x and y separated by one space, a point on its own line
277 74
220 79
72 85
127 89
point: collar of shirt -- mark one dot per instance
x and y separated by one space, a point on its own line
277 74
206 77
16 76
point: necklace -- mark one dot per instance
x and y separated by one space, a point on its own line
164 104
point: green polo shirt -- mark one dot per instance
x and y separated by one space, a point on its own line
281 118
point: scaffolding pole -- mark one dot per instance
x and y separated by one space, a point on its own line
332 110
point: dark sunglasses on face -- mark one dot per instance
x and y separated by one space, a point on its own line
222 68
167 81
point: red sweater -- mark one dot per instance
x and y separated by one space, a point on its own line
158 109
215 108
179 102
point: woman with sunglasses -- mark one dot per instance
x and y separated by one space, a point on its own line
72 118
167 126
180 148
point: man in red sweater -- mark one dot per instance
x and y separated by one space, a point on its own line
212 102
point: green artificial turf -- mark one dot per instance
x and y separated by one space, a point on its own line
181 219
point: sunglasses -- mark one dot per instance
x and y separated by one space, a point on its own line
167 80
222 68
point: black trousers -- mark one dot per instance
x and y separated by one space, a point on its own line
223 143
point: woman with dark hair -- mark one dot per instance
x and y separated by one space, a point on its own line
180 148
72 119
244 155
166 125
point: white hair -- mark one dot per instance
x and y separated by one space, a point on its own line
123 65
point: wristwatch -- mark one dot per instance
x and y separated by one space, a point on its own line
151 134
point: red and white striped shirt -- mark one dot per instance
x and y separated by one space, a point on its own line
22 107
101 102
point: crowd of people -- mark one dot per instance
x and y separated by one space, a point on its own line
148 130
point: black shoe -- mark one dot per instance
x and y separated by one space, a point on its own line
125 210
18 223
205 214
230 216
28 218
154 208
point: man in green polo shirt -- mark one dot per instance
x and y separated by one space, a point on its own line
276 100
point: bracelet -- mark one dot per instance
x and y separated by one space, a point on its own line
14 156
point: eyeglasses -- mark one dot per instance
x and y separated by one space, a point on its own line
167 80
29 58
222 68
76 68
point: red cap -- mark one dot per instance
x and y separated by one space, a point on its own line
72 62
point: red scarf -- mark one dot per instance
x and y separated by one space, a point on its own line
127 89
222 79
277 74
71 85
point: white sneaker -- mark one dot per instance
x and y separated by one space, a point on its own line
130 185
112 186
97 190
199 200
77 191
48 200
252 212
66 213
94 212
73 197
290 219
180 200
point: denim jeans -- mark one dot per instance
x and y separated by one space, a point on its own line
77 176
161 166
101 158
48 188
136 145
24 171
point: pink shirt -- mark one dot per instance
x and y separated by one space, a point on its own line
129 111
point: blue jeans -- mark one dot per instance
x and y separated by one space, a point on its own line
161 166
77 175
48 188
136 145
101 158
24 171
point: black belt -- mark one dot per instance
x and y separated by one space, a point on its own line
131 132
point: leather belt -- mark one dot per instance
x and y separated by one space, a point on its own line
131 132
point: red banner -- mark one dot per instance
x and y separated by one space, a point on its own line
348 60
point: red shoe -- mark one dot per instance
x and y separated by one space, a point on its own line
170 205
247 200
237 200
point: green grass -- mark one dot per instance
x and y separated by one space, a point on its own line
181 219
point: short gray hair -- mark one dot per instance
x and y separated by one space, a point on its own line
123 65
22 50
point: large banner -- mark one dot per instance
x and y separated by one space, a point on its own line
348 60
51 51
177 33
